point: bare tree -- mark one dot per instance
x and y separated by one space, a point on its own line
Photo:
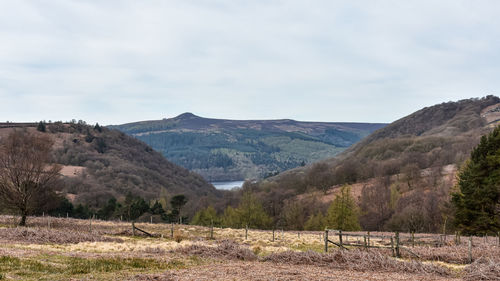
27 178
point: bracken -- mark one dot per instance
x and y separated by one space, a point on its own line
44 236
356 260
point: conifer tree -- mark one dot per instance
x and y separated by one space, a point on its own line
230 217
249 213
477 198
41 127
343 212
315 222
252 213
206 217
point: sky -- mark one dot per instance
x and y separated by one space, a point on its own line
115 62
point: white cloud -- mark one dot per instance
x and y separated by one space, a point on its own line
122 61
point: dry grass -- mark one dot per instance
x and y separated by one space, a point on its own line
454 254
226 249
483 269
238 270
357 260
43 236
230 256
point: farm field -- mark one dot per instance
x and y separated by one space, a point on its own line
72 249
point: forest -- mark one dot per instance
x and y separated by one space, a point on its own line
226 150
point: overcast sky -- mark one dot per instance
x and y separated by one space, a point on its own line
114 62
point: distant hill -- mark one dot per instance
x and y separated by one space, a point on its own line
433 136
401 175
222 150
99 163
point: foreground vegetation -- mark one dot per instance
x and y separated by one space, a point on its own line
99 250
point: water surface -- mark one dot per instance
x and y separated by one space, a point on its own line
227 184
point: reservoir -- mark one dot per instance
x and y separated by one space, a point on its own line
227 184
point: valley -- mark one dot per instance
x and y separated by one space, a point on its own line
235 150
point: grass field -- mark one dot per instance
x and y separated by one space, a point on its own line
74 249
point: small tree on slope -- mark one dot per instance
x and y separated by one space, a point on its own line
343 212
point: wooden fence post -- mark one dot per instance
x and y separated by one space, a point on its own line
151 219
364 241
326 240
133 228
246 232
282 235
172 231
470 249
340 239
67 215
368 238
273 234
90 220
397 245
392 247
212 229
413 239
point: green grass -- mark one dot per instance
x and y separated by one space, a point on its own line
84 266
57 267
303 247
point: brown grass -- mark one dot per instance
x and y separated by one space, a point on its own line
240 270
454 254
356 260
483 269
73 238
45 236
226 249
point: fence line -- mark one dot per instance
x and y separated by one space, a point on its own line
396 241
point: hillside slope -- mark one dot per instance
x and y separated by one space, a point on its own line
222 149
401 175
433 136
99 163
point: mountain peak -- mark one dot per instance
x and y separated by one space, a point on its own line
187 115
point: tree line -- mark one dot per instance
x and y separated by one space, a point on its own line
131 209
341 214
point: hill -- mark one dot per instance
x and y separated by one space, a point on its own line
99 163
222 150
401 175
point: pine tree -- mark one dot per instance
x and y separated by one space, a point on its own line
41 127
206 217
477 198
249 213
97 128
177 202
315 222
343 212
230 218
252 213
